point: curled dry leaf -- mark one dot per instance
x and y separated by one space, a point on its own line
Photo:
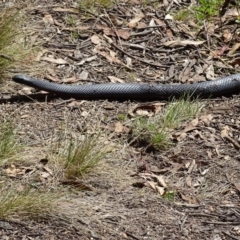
70 80
119 128
160 190
206 119
84 75
110 57
59 61
236 62
122 33
114 79
148 109
190 127
95 39
189 199
48 19
135 20
210 72
182 43
235 47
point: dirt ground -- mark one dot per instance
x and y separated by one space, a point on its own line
199 174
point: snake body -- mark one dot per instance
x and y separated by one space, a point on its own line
138 91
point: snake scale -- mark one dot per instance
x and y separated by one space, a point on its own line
135 91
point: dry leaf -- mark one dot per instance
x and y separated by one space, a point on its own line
190 127
179 43
148 109
235 47
110 58
160 180
53 60
70 80
190 200
160 190
118 127
224 132
152 184
227 35
235 62
48 19
84 75
71 10
95 39
189 181
114 79
237 185
210 72
134 21
206 118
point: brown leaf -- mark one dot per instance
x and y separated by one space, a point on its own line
118 127
237 185
235 62
189 199
160 180
135 20
224 132
190 127
95 39
72 79
48 19
227 35
206 118
179 43
110 57
152 184
114 79
148 109
53 60
160 190
235 47
189 181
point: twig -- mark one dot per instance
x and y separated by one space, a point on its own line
139 59
6 57
222 223
229 235
236 144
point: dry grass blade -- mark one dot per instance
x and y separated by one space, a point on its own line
12 49
27 203
8 144
154 132
83 156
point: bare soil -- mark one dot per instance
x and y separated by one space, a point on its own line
199 174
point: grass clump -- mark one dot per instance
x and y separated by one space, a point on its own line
155 132
183 15
208 9
9 146
28 203
12 50
83 156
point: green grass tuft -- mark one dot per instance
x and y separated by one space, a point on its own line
30 203
83 156
155 131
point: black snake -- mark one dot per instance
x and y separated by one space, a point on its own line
138 91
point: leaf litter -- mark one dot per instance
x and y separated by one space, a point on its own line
193 182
